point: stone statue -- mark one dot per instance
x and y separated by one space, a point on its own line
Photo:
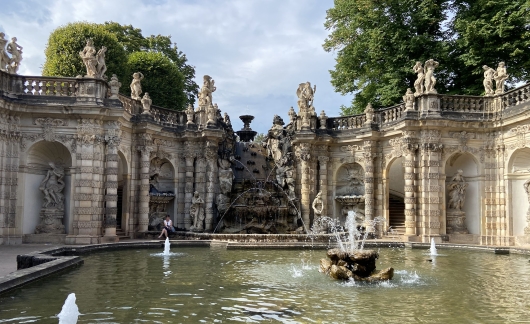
16 55
101 67
4 58
226 176
205 95
408 99
136 86
88 54
146 104
197 212
114 87
457 191
369 112
190 114
226 119
488 80
52 186
418 84
305 94
430 80
318 205
500 76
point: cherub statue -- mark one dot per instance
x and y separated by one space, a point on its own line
136 86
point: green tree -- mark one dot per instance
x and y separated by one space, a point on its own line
65 43
260 138
124 43
486 32
133 41
162 79
378 42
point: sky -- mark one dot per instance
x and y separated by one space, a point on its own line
257 51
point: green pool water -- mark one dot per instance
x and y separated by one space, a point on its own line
212 285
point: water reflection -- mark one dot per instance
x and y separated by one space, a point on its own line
203 285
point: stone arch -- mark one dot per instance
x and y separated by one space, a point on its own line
162 190
394 194
518 172
469 164
123 219
348 181
34 167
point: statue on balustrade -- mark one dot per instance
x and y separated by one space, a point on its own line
136 86
197 212
146 104
488 80
408 99
418 84
205 95
430 80
16 55
457 191
4 58
500 77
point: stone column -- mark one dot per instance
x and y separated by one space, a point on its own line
181 193
409 153
111 188
431 192
145 163
323 160
368 185
189 155
305 203
211 186
500 202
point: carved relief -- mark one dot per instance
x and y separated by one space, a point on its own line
49 125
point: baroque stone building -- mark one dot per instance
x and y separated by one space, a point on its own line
80 163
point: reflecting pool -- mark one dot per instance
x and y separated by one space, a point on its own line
213 285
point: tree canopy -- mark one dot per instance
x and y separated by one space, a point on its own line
168 76
378 42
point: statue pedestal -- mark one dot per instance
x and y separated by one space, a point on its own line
51 221
456 222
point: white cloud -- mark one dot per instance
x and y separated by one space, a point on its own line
257 51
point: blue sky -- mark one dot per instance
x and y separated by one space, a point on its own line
257 51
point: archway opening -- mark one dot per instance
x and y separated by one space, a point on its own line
395 183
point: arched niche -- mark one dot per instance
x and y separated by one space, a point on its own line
518 174
394 189
349 181
470 171
37 160
124 180
162 191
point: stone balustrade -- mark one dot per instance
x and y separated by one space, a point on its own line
391 114
130 105
38 86
168 117
463 104
516 96
347 122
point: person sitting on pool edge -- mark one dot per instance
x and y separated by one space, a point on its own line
168 227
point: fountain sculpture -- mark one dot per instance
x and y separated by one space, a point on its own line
349 261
